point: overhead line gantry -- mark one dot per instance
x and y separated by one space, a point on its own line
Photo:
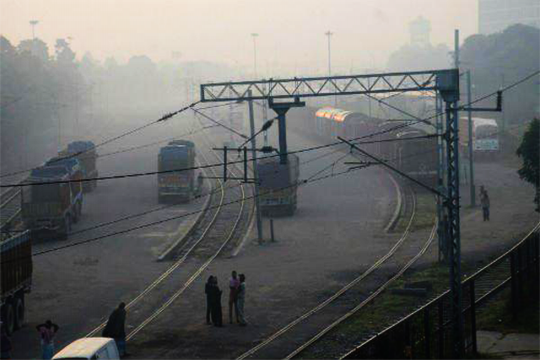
445 82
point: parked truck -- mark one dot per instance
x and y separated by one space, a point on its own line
177 155
278 185
85 153
52 208
16 275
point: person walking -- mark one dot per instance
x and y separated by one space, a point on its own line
5 344
215 303
241 298
116 328
234 284
208 292
484 201
47 332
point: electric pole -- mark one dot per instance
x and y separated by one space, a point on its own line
254 36
255 172
329 35
454 228
470 141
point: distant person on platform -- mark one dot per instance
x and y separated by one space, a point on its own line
116 328
234 284
484 201
47 333
215 303
208 292
241 300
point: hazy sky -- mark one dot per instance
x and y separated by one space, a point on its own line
290 31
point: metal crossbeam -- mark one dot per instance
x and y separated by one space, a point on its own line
323 86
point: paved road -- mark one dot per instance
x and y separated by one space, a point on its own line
78 286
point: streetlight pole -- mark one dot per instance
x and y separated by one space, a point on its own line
33 23
254 36
329 35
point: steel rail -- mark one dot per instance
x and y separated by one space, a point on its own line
369 298
338 294
196 274
464 282
171 269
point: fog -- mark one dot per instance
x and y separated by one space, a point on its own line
291 33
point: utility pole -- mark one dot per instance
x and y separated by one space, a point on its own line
454 228
329 35
255 172
503 120
254 36
470 141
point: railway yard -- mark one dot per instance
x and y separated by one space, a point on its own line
344 230
159 170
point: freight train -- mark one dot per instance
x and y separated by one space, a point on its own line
407 145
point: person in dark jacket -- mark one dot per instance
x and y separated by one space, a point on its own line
208 292
116 328
215 301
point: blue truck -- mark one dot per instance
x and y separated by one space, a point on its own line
85 153
177 155
52 208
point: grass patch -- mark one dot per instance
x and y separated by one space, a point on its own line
497 316
384 310
426 208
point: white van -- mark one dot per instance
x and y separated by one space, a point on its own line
90 348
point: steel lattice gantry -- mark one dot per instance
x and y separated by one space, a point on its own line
445 82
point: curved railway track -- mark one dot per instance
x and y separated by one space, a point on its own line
222 222
271 347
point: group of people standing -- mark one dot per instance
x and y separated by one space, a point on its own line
237 296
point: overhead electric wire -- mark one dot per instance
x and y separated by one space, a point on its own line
409 123
108 141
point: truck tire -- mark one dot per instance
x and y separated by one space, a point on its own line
8 318
19 312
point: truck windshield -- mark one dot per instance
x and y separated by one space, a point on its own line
46 193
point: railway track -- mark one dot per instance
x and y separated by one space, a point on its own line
277 345
223 221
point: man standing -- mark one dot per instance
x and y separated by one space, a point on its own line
234 284
47 332
241 300
484 200
116 328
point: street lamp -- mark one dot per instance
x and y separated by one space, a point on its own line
329 34
33 23
254 36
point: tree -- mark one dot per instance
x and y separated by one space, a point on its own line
505 57
414 57
529 151
64 55
36 47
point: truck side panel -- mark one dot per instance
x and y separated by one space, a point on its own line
16 264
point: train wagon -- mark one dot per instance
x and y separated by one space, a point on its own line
278 185
16 273
85 153
51 208
417 156
177 155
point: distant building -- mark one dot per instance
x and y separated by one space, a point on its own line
497 15
420 30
